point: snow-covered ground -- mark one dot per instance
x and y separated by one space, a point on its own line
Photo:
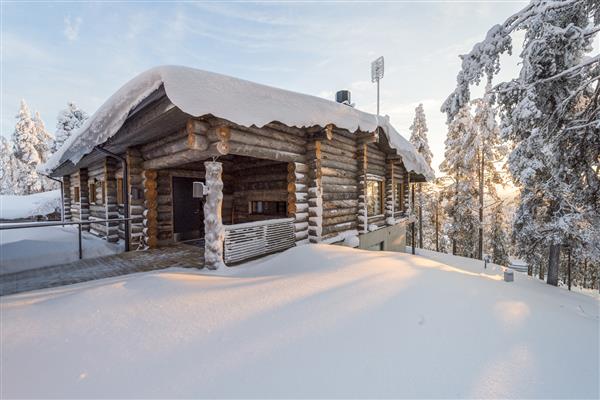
314 321
22 249
17 207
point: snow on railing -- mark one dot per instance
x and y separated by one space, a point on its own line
253 239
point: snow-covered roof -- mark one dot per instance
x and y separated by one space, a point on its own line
245 103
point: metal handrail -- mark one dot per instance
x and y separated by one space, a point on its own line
26 225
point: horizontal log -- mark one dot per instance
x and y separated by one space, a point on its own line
339 196
262 152
258 140
333 212
297 167
339 227
339 219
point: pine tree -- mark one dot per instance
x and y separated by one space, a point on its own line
68 121
44 139
490 152
30 145
498 238
9 168
460 163
550 112
418 138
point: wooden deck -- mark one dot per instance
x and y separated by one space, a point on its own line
179 255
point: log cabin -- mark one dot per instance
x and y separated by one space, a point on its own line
279 169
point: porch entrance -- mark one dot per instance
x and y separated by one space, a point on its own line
188 213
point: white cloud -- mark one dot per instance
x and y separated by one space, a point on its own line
71 30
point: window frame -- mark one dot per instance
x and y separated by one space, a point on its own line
76 194
275 207
381 184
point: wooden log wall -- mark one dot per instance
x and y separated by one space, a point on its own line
164 206
75 202
315 191
96 182
67 197
297 201
376 166
362 163
340 184
110 199
150 212
390 182
135 190
84 198
401 176
256 180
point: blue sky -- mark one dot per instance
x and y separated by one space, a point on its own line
54 52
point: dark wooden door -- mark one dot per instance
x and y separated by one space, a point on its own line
188 214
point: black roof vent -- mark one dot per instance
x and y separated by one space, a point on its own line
343 97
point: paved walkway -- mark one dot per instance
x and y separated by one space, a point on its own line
180 255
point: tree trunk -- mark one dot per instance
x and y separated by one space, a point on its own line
420 218
569 267
481 173
553 263
413 224
437 229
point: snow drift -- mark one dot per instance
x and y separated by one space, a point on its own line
26 206
316 321
245 103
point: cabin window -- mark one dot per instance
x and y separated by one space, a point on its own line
92 193
374 197
276 208
119 190
398 197
76 194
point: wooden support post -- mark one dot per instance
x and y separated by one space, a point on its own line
390 182
297 203
214 233
84 198
150 212
135 191
110 206
361 158
315 191
67 197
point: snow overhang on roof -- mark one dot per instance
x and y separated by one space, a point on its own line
245 103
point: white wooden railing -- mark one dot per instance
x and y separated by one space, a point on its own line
253 239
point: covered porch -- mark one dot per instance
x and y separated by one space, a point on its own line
253 208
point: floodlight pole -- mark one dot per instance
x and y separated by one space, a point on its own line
377 96
376 75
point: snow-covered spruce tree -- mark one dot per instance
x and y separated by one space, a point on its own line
418 138
498 242
9 167
460 163
491 150
44 139
30 145
550 112
68 120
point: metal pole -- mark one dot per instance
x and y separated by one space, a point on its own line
80 248
377 96
125 192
